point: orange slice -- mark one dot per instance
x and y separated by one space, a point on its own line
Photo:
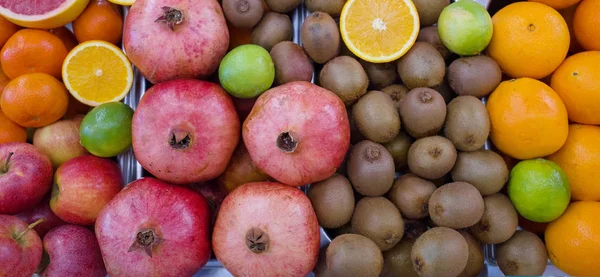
379 31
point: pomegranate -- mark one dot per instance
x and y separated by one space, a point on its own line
214 196
266 229
297 133
170 39
184 131
152 228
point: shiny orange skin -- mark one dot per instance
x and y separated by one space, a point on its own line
101 20
10 131
586 24
66 36
7 29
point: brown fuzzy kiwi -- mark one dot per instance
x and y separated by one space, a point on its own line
476 76
320 37
345 77
442 180
444 89
414 228
398 147
423 112
397 262
440 252
376 117
499 221
484 169
273 28
283 6
410 194
370 168
354 255
380 74
430 34
397 92
379 220
456 205
332 200
421 66
524 254
476 260
467 123
243 13
291 63
431 157
429 10
355 135
332 7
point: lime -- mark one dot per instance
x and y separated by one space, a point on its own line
465 27
106 130
247 71
539 189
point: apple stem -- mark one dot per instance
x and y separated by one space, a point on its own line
31 226
5 168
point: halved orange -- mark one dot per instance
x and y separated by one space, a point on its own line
379 31
46 14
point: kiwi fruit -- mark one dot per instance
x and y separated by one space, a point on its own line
345 77
456 205
379 220
380 74
370 168
354 255
414 228
332 200
430 34
272 29
444 89
332 7
499 221
355 135
477 76
431 157
398 147
421 66
320 37
484 169
376 117
440 252
291 63
423 112
397 262
442 180
243 13
430 10
397 92
283 6
345 229
411 195
467 123
476 261
523 254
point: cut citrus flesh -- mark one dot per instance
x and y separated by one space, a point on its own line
45 14
122 2
379 31
97 72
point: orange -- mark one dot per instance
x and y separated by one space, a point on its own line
10 131
34 100
568 14
558 4
379 31
29 51
528 119
101 20
238 36
573 240
577 82
76 108
3 80
66 36
7 29
580 160
586 24
530 40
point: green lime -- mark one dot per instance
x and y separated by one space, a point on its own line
106 130
247 71
465 27
539 189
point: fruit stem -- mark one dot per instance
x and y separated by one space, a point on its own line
5 167
171 16
287 142
31 226
257 240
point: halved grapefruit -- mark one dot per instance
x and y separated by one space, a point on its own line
45 14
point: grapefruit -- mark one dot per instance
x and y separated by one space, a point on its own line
45 14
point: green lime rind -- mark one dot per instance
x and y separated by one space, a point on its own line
106 130
465 27
247 71
539 189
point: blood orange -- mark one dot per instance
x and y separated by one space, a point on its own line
45 14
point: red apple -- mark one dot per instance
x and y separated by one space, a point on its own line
39 211
72 251
60 140
266 229
184 131
83 186
25 177
240 170
297 133
20 247
152 228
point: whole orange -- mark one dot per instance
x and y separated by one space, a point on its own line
568 14
580 159
34 100
10 131
3 80
66 36
577 82
573 240
557 4
101 20
586 24
29 51
528 119
530 39
7 29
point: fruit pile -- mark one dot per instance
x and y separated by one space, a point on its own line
412 131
